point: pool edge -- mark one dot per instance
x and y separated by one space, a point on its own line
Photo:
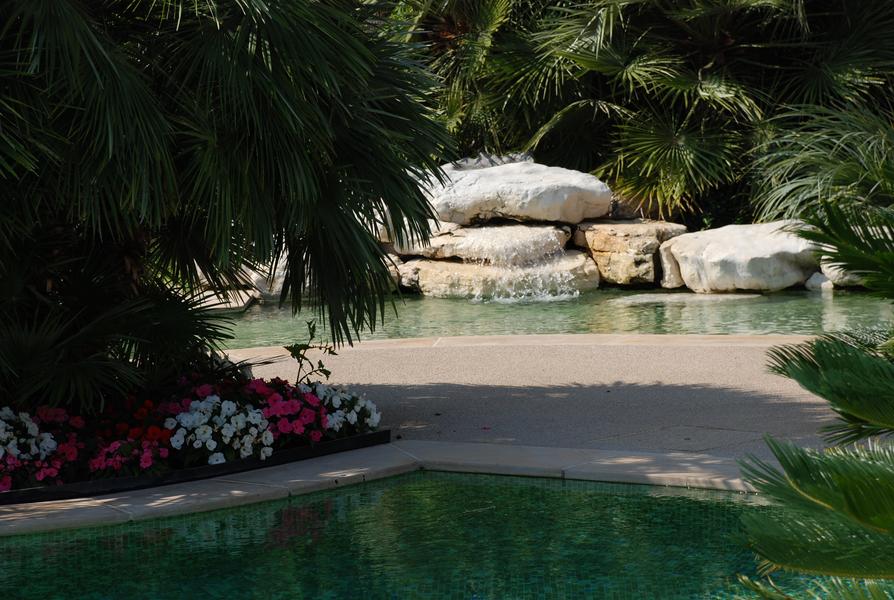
675 469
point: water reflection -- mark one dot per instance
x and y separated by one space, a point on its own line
602 311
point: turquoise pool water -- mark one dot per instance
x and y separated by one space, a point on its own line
422 535
601 311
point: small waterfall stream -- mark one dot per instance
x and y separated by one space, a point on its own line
515 267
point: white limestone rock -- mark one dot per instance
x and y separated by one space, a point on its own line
762 256
230 300
818 282
504 245
681 298
522 191
625 251
838 276
564 275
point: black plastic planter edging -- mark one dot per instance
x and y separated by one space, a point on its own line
99 487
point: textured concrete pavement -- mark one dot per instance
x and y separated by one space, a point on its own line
652 393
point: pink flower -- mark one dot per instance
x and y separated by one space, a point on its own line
283 425
312 399
5 483
163 452
307 416
204 390
316 436
297 427
77 422
274 398
146 460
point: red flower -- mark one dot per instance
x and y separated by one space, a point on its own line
141 414
77 422
148 405
166 436
135 433
121 428
153 433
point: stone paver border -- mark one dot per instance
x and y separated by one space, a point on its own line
675 469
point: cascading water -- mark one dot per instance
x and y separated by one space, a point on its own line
517 263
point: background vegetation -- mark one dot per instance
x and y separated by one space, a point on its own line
670 101
149 149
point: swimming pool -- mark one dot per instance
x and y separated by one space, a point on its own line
421 535
601 311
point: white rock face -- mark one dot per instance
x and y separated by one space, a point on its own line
504 245
838 276
681 298
738 257
819 283
271 288
564 275
625 251
523 191
231 300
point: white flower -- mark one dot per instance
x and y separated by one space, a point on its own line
212 400
227 408
170 423
374 419
216 459
352 418
6 414
266 439
203 432
238 420
227 431
255 417
266 452
245 452
197 444
211 444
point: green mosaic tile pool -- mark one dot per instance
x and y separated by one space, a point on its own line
422 535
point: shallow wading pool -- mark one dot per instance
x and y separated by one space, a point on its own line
602 311
420 535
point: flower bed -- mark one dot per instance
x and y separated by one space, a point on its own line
199 430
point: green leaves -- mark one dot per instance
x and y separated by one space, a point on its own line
176 144
838 516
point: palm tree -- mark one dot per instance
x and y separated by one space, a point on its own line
665 99
150 147
839 517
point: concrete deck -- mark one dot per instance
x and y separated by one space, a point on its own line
641 393
662 410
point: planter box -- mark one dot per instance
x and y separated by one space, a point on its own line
98 487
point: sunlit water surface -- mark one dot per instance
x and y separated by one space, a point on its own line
423 535
601 311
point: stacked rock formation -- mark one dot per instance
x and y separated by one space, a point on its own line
510 228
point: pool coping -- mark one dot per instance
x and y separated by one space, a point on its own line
676 469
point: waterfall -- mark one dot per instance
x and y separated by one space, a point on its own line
517 263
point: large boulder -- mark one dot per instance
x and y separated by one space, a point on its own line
270 288
500 245
625 251
838 276
764 256
521 191
229 300
562 275
819 283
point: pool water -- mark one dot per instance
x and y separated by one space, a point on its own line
601 311
421 535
